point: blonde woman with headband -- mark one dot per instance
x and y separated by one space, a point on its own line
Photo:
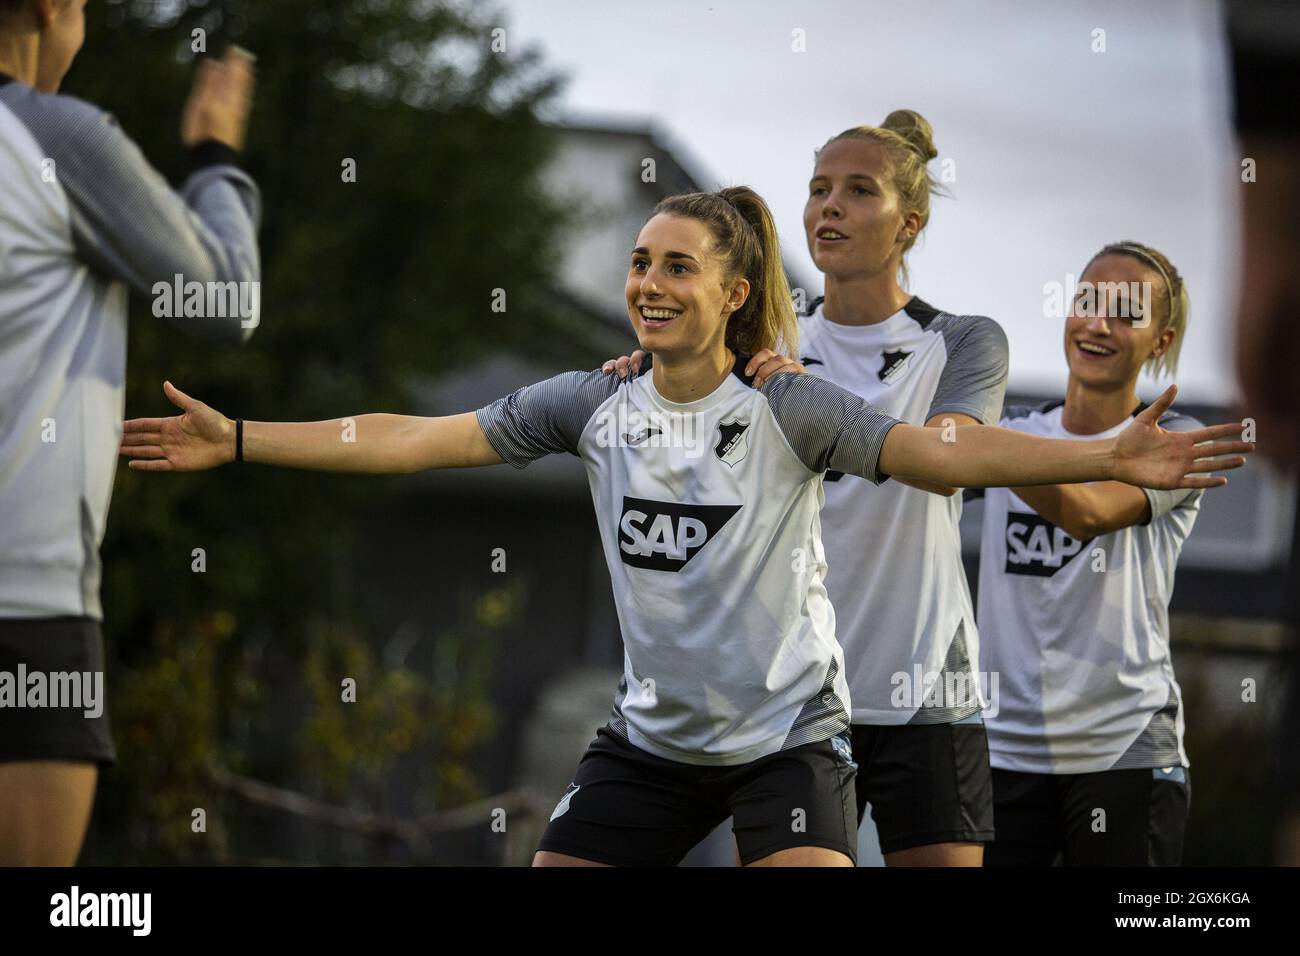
903 609
1086 742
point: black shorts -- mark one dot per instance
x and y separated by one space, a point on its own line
626 807
1111 818
926 783
71 646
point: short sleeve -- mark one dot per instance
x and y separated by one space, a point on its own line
828 427
974 380
1163 501
546 418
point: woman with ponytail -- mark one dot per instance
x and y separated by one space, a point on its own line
912 663
733 700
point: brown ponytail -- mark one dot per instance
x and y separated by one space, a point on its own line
744 236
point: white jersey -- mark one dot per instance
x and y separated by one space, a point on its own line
896 580
708 515
1077 632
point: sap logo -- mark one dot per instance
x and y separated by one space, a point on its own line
664 535
1036 546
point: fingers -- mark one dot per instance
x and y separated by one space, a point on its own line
616 365
778 364
1151 414
154 464
137 438
758 359
1217 431
1192 482
135 425
178 398
1210 449
141 451
1215 464
625 365
238 75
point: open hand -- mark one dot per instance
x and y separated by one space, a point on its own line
1151 457
199 439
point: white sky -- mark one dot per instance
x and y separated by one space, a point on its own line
1057 149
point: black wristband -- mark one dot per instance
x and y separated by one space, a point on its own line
239 439
211 152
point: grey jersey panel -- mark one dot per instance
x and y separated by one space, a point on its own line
1163 501
127 223
975 378
828 427
546 418
1157 745
954 694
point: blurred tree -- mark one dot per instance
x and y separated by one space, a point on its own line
367 286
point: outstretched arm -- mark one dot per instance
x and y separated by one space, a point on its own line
1143 454
202 438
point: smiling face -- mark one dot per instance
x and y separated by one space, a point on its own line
854 219
678 293
1107 334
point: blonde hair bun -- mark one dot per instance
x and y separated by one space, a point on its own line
915 129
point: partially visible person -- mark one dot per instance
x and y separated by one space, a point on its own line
1086 728
82 217
1265 40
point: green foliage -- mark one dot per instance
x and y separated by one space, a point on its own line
367 287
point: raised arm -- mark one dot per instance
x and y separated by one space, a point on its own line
381 444
127 223
1144 454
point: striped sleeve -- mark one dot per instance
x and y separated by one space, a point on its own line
128 223
546 418
1162 500
828 427
974 380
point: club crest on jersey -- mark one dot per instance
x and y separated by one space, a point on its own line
893 367
664 535
1037 547
732 445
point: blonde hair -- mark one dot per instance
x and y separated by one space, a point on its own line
1172 291
744 236
908 140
